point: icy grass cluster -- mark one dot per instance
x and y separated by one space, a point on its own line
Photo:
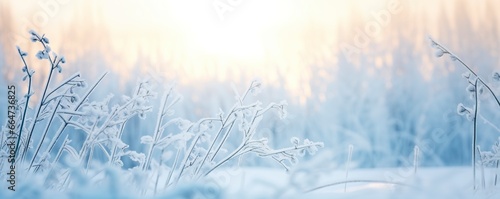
476 86
71 145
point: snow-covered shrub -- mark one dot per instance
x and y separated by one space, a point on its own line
477 86
72 144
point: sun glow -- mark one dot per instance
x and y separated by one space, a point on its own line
285 43
275 40
225 30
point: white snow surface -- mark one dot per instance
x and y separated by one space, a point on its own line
436 182
274 183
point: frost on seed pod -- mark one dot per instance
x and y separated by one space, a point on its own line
295 141
45 40
59 68
453 58
470 116
42 54
439 53
471 88
496 76
22 53
32 32
147 139
462 110
466 75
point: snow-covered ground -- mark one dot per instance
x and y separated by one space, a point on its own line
440 182
267 183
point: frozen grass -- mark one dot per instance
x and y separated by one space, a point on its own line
93 152
475 87
71 146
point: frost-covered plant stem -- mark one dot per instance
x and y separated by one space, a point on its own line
122 128
246 146
483 181
486 121
113 156
228 131
191 147
221 129
54 64
496 172
223 126
349 156
115 118
455 57
65 82
416 154
44 133
27 96
59 153
171 172
49 123
243 144
65 121
91 155
158 130
92 135
37 114
474 133
224 139
274 152
232 155
186 157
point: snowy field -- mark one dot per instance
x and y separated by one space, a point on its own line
249 99
429 182
255 182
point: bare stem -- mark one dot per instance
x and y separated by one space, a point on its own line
474 135
28 96
156 135
45 132
176 161
349 156
483 182
221 129
224 139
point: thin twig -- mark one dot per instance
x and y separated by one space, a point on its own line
474 135
28 96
